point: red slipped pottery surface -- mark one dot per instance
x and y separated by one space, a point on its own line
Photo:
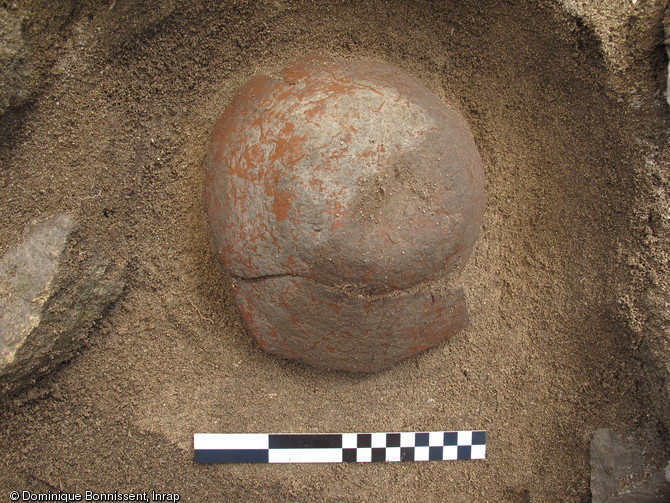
336 193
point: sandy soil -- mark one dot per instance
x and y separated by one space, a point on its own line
118 134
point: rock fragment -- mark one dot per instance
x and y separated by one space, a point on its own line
666 31
53 288
616 465
15 63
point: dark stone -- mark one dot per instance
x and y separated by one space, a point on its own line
615 466
15 63
53 288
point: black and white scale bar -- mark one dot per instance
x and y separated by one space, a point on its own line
338 447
